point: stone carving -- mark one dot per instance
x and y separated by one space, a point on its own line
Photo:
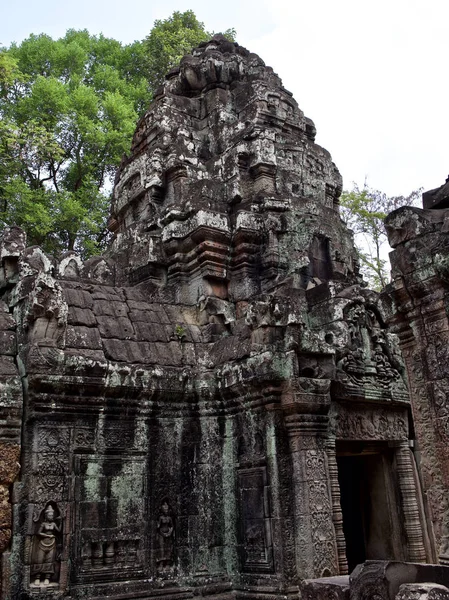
47 313
444 532
319 501
165 529
118 437
99 269
368 358
412 518
365 424
104 554
50 464
369 581
256 544
337 516
46 546
84 438
70 265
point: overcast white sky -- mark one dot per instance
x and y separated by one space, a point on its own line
372 74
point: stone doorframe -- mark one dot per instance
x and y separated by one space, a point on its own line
418 544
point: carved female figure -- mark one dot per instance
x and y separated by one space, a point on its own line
165 534
44 551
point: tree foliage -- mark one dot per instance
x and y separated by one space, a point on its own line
68 110
364 211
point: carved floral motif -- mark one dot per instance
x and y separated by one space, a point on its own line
51 464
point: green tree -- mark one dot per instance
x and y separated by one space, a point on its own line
68 110
364 211
171 39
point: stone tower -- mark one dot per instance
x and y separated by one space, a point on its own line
216 405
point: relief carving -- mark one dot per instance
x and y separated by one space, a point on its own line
119 436
165 555
272 257
84 438
102 554
56 440
439 508
364 424
51 464
315 464
256 537
46 547
369 357
319 501
47 312
324 563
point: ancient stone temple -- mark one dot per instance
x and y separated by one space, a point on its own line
216 407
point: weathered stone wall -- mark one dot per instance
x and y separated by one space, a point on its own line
418 300
11 407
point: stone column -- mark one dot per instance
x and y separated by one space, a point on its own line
412 520
337 515
316 551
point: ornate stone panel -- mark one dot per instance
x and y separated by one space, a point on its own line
255 530
349 422
111 517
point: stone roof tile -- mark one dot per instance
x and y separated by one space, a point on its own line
110 308
115 327
150 331
83 337
81 316
77 297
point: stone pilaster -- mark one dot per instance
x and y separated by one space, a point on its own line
410 507
316 551
337 515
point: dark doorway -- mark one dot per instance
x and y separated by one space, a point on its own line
352 492
369 505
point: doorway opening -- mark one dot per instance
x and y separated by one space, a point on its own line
370 504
